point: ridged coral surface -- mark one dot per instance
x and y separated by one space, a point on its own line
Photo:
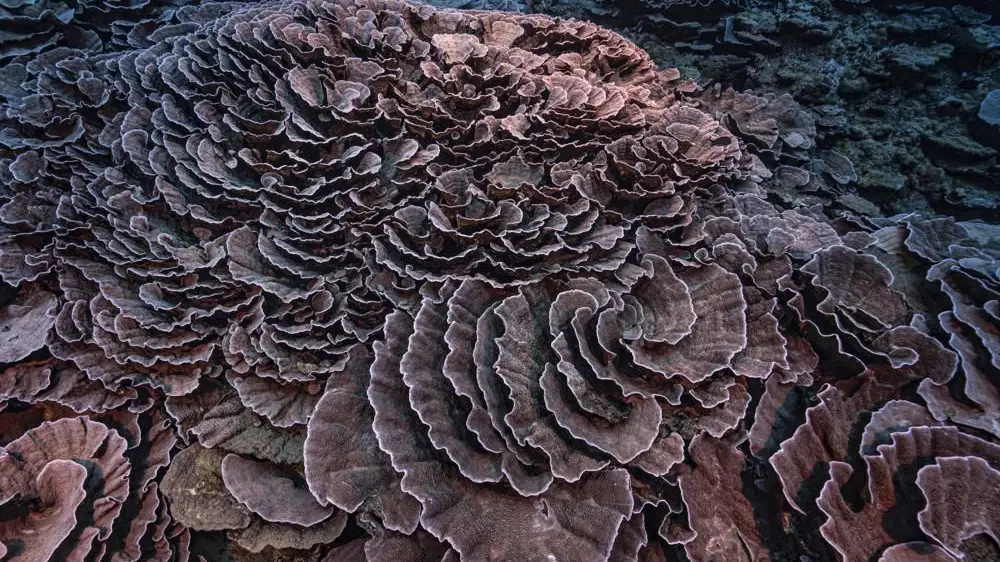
370 280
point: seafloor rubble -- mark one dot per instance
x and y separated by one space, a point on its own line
347 280
896 86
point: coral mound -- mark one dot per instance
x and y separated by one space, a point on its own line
370 280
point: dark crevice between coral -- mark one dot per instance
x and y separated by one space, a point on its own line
789 536
897 520
790 415
212 545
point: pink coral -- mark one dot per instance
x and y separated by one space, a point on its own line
369 280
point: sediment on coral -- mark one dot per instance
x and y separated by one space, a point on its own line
372 280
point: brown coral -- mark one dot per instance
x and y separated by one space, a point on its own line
407 283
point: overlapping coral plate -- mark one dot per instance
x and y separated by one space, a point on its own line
370 280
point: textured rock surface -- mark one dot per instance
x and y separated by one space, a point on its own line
882 79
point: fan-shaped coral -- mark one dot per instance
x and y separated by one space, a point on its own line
363 279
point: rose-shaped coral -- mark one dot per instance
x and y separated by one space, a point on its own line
414 284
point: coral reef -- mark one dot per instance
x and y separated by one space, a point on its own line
323 280
897 87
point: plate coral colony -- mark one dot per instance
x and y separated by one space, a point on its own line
366 280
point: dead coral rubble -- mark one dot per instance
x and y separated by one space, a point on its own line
902 88
369 280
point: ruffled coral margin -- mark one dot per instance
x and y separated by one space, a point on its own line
366 280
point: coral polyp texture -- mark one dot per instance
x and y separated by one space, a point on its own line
346 280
